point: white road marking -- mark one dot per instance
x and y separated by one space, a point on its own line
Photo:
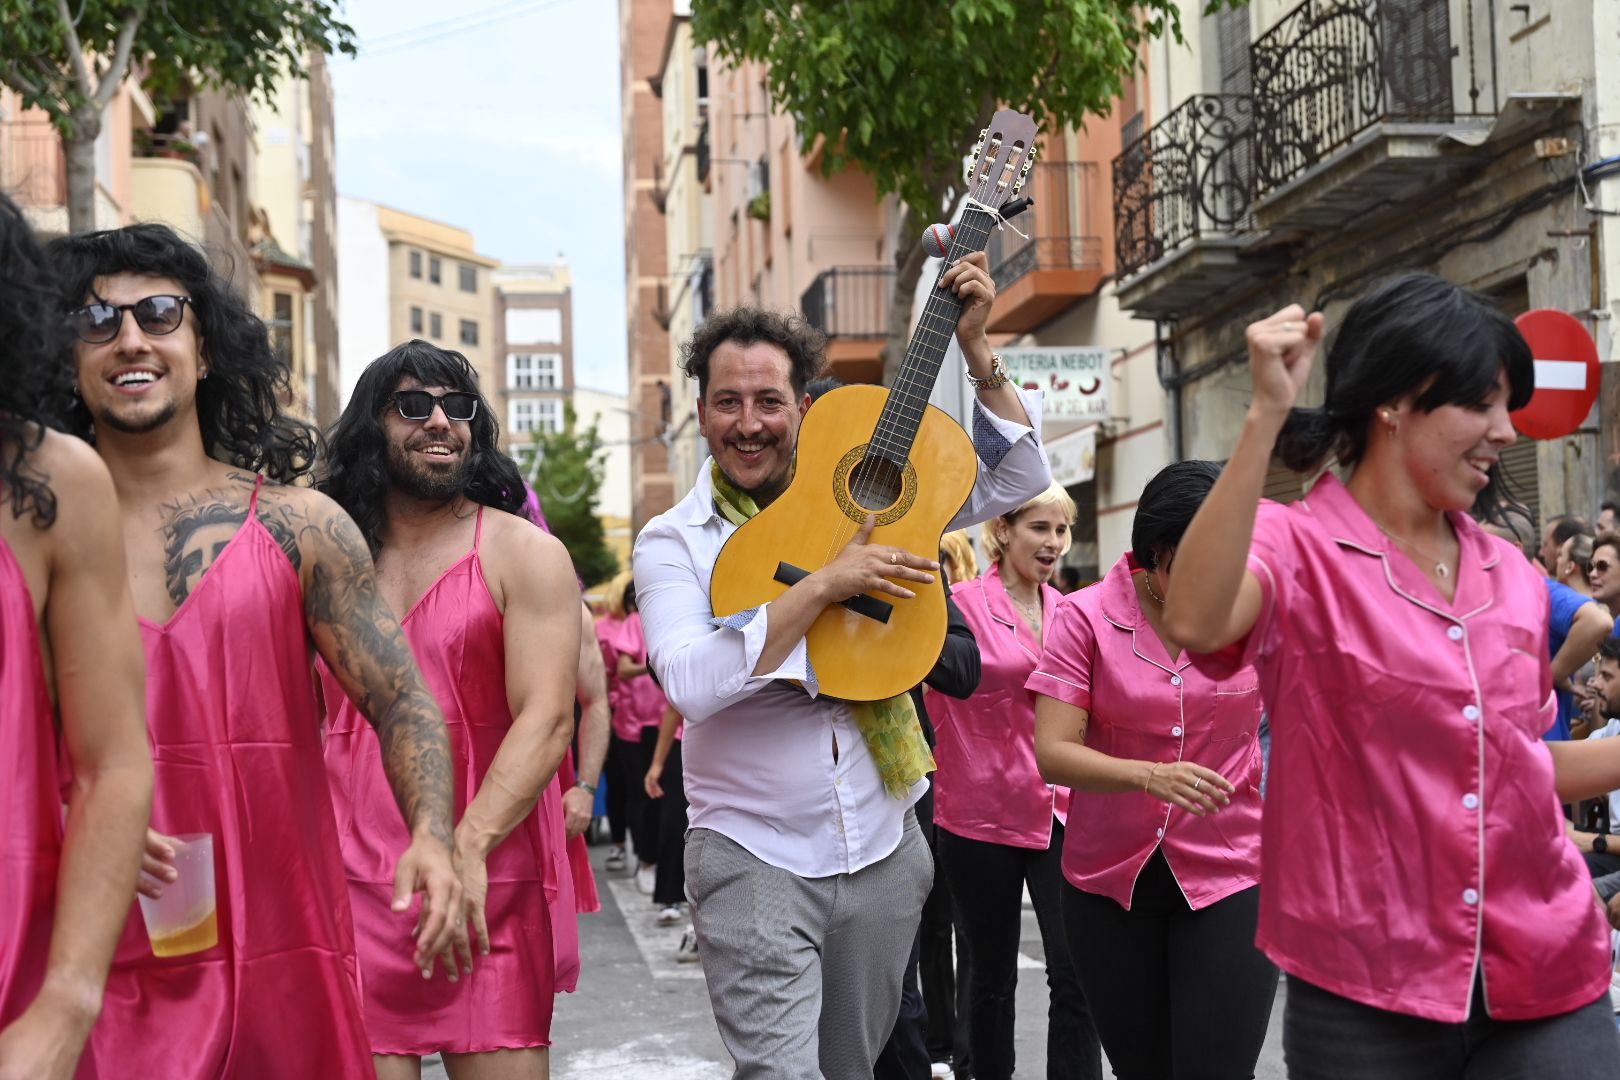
655 943
650 1057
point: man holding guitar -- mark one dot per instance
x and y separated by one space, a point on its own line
804 863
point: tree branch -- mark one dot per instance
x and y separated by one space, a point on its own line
12 76
75 51
113 77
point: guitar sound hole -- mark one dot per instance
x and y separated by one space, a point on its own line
876 483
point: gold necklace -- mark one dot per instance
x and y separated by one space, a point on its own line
1147 580
1441 567
1030 612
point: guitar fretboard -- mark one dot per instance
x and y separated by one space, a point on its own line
908 398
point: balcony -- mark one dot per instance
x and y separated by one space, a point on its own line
1039 276
850 304
1184 227
33 170
1365 104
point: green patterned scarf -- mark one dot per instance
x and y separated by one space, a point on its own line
892 732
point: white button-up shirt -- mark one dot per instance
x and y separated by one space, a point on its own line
767 763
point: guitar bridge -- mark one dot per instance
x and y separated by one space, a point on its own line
860 604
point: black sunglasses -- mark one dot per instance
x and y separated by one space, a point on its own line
1600 566
458 405
99 323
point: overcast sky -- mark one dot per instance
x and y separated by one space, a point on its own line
503 120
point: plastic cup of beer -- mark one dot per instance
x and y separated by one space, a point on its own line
184 919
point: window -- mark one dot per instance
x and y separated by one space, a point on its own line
469 277
534 326
520 418
281 328
548 416
533 371
416 264
416 320
435 326
519 371
469 332
434 267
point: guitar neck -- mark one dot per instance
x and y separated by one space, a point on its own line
908 398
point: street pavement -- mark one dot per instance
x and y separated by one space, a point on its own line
640 1013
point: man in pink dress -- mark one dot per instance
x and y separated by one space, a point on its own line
68 651
238 582
491 607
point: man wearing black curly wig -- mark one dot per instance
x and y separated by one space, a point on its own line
491 607
68 640
238 575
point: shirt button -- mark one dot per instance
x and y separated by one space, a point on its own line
1470 712
1176 731
1175 680
1471 801
1470 897
1454 633
1161 834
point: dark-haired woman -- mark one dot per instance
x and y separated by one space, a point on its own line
1419 890
1162 889
999 825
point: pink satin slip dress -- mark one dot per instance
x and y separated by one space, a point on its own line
235 730
456 633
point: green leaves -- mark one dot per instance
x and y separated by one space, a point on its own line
901 87
241 44
566 468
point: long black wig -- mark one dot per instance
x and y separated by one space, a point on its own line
34 385
239 405
355 473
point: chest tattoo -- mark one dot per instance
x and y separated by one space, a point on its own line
197 529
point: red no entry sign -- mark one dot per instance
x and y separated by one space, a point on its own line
1566 374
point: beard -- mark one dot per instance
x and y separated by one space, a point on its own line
112 421
411 476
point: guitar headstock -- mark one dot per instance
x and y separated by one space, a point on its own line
1001 159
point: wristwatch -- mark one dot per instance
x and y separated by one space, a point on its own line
998 374
1600 844
587 788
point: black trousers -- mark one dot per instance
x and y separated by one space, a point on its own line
617 793
1327 1037
640 811
1177 994
987 886
670 883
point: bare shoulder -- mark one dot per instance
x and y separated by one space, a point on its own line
519 554
73 469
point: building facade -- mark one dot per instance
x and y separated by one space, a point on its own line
534 346
1476 142
643 30
403 276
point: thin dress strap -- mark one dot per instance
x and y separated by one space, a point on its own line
253 503
478 529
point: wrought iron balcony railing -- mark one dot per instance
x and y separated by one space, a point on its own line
1191 175
33 170
850 301
1060 222
1331 69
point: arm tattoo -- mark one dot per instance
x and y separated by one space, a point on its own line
371 656
197 528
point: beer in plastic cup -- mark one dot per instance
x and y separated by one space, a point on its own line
184 919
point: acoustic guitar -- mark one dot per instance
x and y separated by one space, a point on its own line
887 452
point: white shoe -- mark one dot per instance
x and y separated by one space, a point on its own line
615 859
670 915
646 879
940 1069
687 951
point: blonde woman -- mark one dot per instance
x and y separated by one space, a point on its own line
1001 825
956 557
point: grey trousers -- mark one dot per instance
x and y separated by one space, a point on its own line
804 973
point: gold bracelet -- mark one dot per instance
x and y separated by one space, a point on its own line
1151 773
998 375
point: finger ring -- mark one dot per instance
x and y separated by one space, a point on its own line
1198 783
894 558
